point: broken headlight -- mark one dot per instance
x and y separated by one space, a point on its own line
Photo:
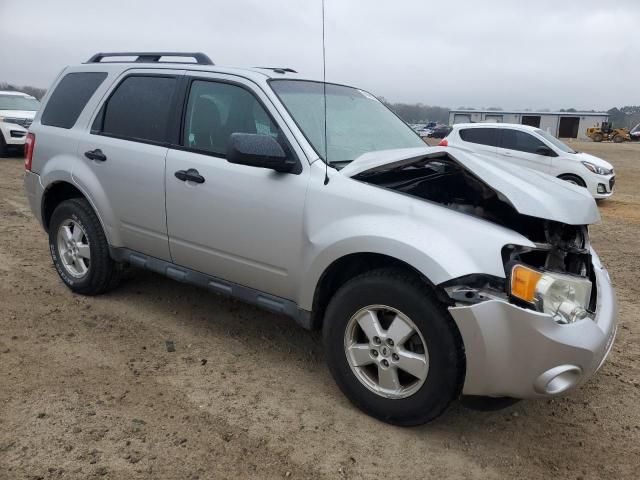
564 297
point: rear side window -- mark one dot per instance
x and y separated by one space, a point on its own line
70 97
520 141
138 109
482 136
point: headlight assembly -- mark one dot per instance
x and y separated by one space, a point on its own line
564 297
596 168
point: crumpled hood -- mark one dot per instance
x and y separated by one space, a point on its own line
530 192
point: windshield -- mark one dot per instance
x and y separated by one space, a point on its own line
555 142
18 102
357 122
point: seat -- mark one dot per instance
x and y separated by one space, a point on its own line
206 127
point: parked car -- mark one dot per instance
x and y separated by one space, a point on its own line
531 147
17 110
432 272
440 132
635 133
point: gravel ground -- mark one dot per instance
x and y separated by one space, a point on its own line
89 390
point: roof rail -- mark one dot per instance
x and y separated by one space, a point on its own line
153 57
279 69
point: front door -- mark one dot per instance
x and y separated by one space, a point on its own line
242 224
520 148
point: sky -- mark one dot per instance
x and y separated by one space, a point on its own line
483 53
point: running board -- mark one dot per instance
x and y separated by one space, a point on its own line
217 285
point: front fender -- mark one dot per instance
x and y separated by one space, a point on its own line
439 252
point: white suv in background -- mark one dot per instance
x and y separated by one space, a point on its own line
17 110
533 148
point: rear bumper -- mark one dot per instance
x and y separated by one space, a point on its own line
34 190
520 353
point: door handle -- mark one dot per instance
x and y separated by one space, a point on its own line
191 175
96 155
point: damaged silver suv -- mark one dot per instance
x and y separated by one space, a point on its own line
431 273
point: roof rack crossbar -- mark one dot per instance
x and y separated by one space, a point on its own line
279 69
153 57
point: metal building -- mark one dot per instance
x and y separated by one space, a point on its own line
560 124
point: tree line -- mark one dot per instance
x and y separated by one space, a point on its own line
627 116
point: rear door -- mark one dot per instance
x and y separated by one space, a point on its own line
127 148
480 139
519 148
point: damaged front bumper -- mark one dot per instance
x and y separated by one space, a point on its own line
520 353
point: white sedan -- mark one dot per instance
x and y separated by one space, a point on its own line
536 149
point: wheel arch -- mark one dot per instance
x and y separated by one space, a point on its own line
568 175
344 268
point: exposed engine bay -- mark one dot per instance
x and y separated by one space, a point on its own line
440 179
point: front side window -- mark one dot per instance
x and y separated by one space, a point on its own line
138 109
356 122
482 136
555 142
215 110
520 141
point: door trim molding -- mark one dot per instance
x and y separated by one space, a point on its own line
249 295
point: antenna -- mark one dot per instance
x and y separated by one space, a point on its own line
324 96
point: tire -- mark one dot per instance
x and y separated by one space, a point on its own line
4 150
597 137
418 400
576 180
618 139
93 271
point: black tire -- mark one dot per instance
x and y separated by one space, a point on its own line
568 177
4 150
103 274
618 139
598 137
407 294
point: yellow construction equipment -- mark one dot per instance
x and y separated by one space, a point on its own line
605 132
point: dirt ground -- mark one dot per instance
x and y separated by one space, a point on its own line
89 390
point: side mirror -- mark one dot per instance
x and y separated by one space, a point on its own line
546 151
260 151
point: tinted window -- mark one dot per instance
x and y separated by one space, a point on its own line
216 110
138 109
482 136
70 97
521 141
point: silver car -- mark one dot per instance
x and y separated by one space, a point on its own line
431 273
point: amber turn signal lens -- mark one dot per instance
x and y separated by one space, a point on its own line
523 282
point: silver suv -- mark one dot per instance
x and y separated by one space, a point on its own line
431 273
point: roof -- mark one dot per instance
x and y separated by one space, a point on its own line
495 125
524 112
14 93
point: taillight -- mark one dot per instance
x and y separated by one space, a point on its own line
444 143
29 145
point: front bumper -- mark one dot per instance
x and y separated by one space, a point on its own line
601 186
520 353
13 134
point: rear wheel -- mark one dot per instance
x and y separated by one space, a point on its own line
597 137
392 348
79 249
576 180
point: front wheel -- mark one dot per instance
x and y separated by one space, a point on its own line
574 179
79 249
392 347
